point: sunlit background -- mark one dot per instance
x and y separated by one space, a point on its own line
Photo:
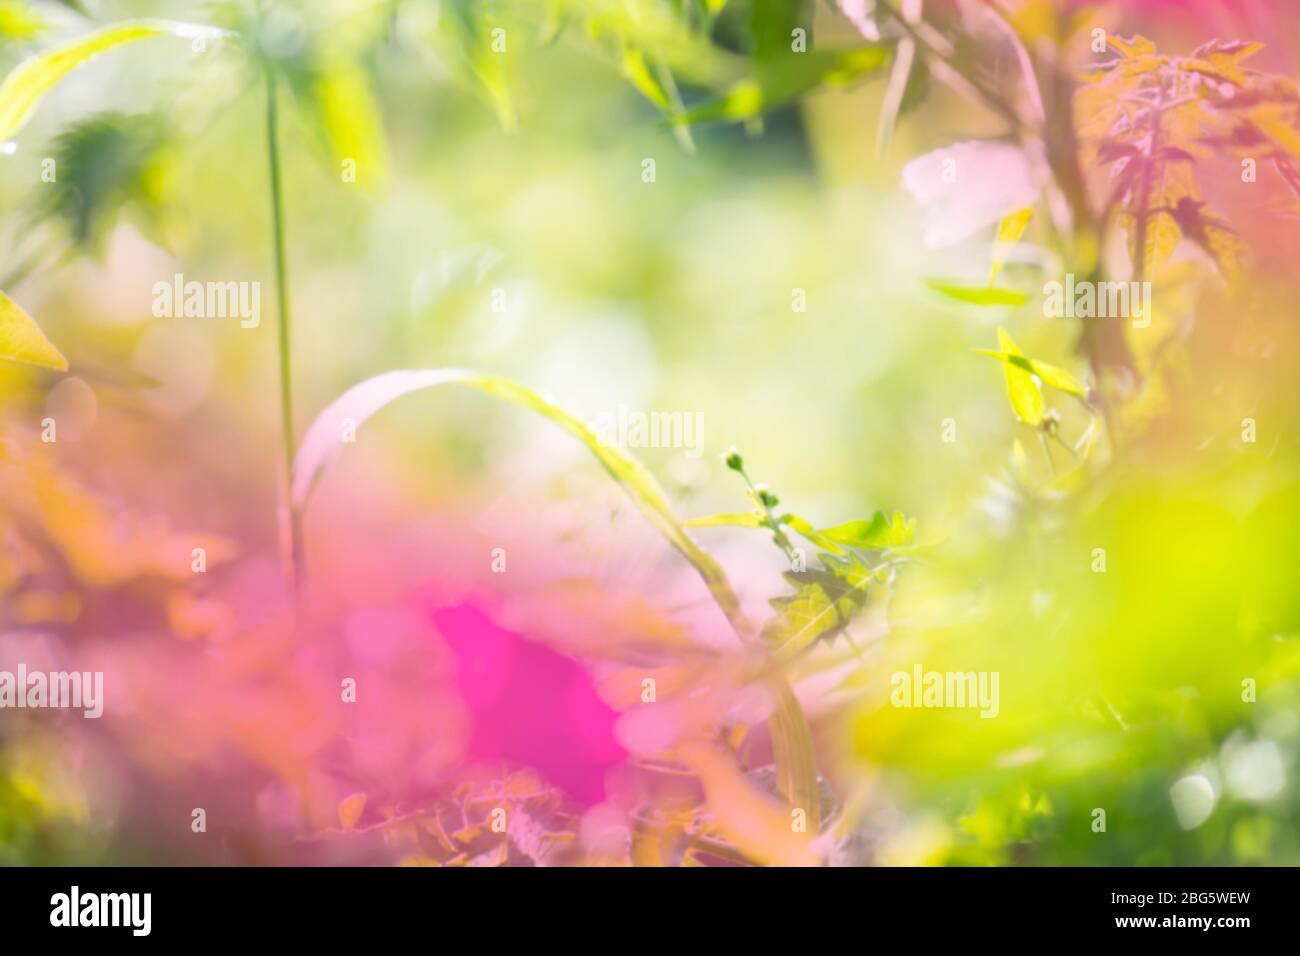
768 276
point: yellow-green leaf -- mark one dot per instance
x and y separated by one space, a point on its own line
1277 122
22 89
1051 375
636 70
748 519
805 528
822 605
351 119
1010 229
977 295
1026 397
1131 48
22 340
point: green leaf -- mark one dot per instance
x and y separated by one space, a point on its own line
1010 229
805 528
22 89
874 535
475 24
322 443
977 295
749 519
352 121
21 339
18 21
823 604
105 162
661 91
638 73
1026 397
777 83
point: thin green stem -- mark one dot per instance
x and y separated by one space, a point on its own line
293 551
770 520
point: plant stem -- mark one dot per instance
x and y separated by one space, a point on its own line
293 552
769 521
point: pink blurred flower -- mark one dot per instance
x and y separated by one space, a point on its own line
967 186
531 705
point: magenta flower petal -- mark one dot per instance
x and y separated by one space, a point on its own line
531 705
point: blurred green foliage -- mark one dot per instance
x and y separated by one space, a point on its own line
522 171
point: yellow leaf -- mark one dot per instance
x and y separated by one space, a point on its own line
352 122
350 810
1168 184
636 70
1132 48
23 88
22 340
1278 123
1221 64
1010 229
1026 397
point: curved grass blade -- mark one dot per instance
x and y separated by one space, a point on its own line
794 756
323 442
22 89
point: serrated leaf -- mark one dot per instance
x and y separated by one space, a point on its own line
21 339
1164 179
1277 122
1131 48
978 295
1221 63
1212 234
1010 229
878 533
105 162
22 89
823 604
